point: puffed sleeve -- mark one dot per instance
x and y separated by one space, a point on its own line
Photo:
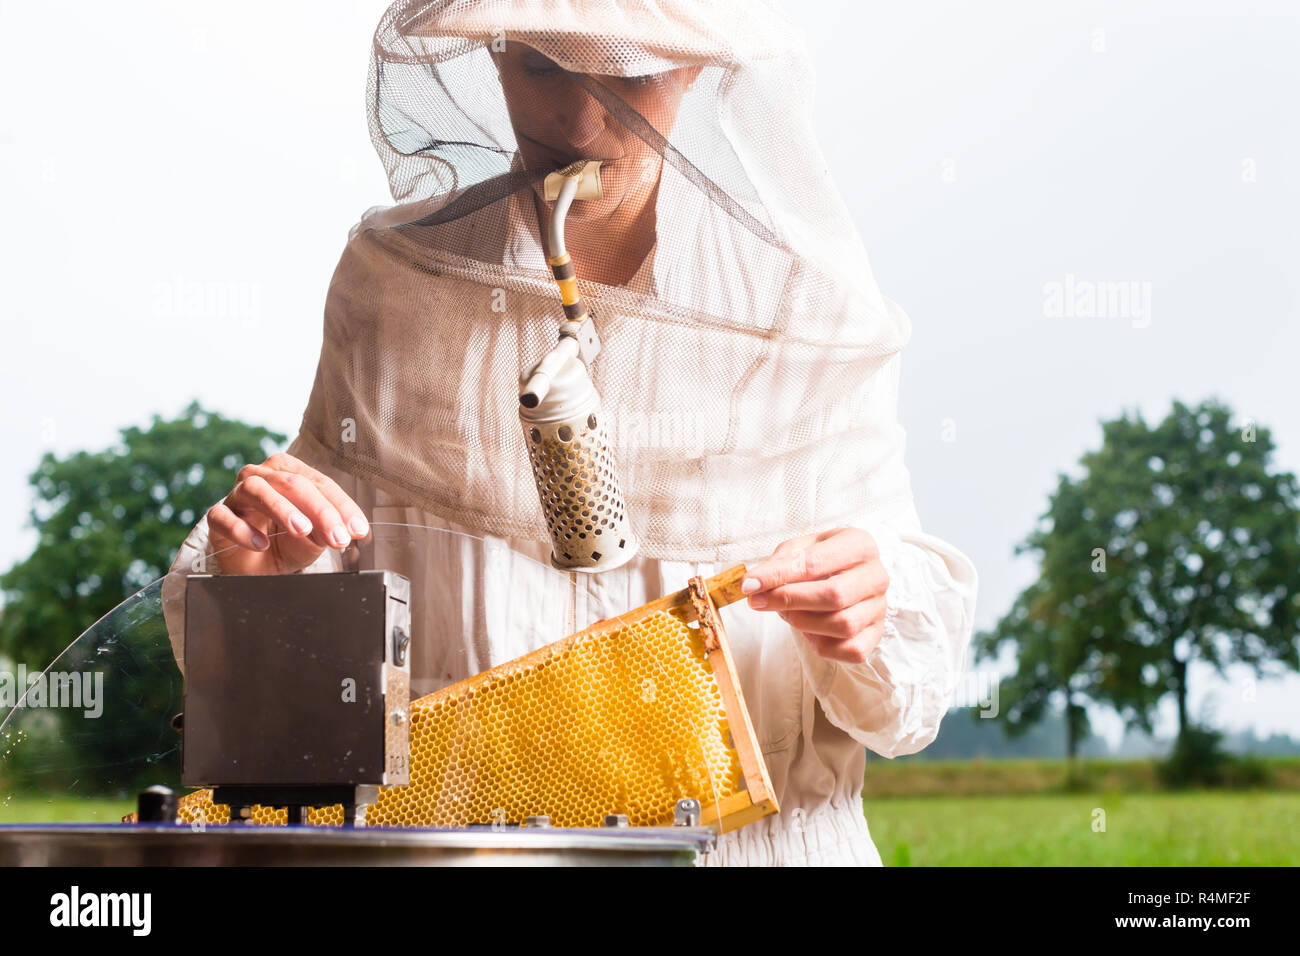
893 701
194 558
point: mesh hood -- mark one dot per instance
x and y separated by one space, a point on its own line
744 337
598 36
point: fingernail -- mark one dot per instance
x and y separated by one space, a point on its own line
260 541
749 585
300 524
340 535
359 526
758 601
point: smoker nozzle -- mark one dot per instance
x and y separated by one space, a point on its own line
538 382
586 172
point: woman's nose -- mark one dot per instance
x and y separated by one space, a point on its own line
580 119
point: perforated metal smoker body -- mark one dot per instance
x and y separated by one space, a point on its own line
568 446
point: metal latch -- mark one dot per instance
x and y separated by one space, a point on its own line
401 644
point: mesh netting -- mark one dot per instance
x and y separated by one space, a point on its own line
744 341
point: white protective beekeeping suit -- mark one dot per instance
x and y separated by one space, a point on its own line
749 364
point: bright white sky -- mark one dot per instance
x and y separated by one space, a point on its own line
149 149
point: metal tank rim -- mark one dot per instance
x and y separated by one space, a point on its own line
96 844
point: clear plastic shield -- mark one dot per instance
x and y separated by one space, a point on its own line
83 735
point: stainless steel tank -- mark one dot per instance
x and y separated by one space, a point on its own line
81 845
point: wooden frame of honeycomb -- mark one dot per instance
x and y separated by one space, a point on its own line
581 728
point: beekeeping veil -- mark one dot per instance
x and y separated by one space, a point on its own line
743 336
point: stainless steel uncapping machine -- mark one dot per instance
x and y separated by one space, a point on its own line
297 689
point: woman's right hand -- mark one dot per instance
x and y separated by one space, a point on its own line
286 495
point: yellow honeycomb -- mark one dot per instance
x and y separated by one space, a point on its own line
621 721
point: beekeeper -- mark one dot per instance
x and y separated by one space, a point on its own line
748 362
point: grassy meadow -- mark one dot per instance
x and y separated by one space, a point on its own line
1196 828
1096 813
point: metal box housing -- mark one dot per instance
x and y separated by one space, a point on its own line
297 680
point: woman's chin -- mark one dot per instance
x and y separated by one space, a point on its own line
596 210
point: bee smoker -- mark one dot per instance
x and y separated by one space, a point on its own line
559 409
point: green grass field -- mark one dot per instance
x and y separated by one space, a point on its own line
1141 829
31 809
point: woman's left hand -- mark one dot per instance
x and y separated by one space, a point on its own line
830 586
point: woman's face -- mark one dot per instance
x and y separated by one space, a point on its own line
556 121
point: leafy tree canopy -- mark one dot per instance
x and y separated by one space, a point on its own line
1179 542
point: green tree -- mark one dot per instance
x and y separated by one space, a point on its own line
108 523
1177 543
